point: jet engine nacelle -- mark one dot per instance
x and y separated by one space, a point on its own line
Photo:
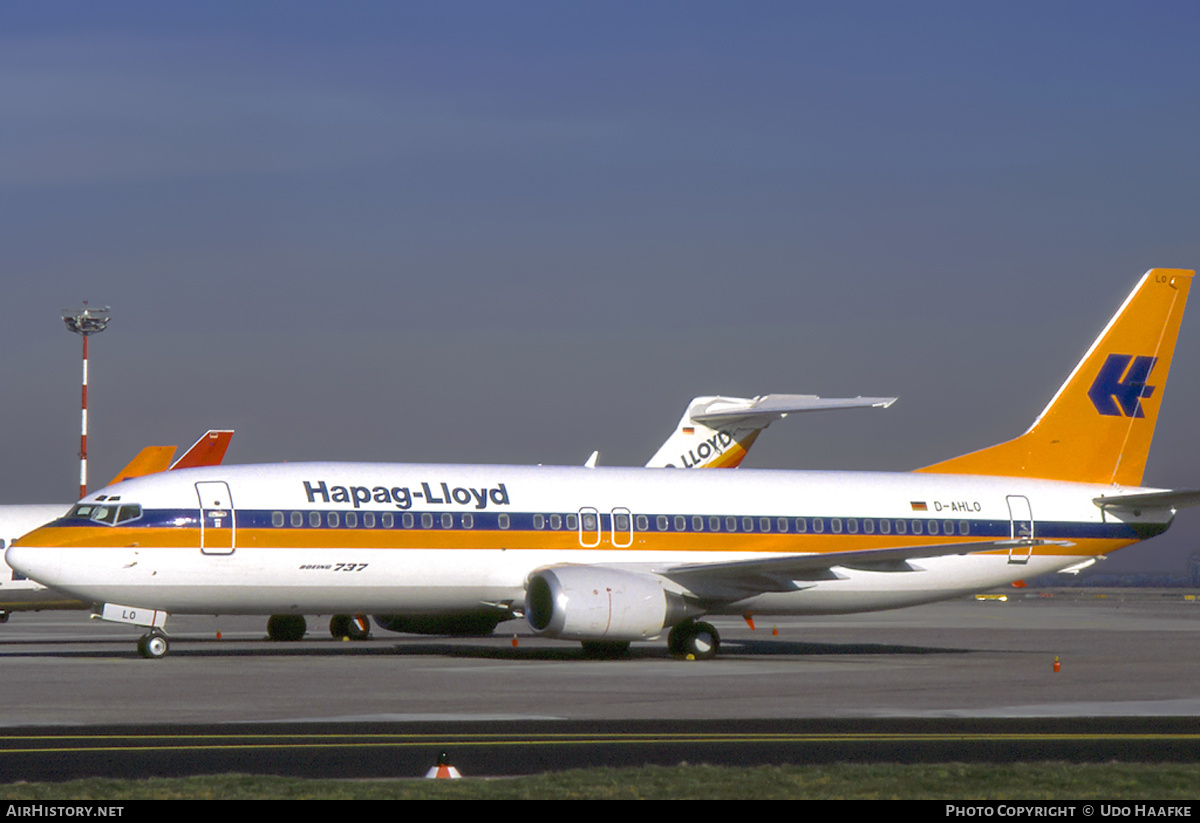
591 603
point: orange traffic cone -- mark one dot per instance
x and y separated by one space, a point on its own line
443 770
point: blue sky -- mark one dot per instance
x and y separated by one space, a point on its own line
517 232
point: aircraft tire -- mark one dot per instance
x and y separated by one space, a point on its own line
700 641
359 628
153 646
605 649
286 628
339 626
355 627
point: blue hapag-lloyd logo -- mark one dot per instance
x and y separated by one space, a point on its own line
1119 387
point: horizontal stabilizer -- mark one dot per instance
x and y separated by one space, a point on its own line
761 411
716 432
1151 500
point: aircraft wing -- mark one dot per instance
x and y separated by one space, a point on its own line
1151 500
741 578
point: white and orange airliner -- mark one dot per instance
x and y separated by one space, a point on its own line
607 556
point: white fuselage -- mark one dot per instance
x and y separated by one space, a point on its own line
428 539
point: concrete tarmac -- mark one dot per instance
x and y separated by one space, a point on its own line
1122 656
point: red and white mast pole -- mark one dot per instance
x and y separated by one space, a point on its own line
85 322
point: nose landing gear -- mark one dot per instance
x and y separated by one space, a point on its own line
153 646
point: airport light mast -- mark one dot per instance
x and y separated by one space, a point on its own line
85 322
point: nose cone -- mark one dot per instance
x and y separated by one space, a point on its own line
35 562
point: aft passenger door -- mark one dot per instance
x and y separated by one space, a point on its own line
217 528
1020 516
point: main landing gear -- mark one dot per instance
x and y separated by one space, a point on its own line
355 627
695 640
153 646
286 628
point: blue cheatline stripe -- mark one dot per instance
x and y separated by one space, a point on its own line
642 524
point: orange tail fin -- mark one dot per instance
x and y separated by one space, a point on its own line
1098 427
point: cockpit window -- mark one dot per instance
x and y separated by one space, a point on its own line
104 514
109 515
129 511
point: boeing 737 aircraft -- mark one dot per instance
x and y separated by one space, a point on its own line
18 593
609 556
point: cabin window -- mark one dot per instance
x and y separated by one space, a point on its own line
660 522
556 521
801 525
591 522
916 527
426 520
680 523
539 521
297 519
503 521
468 521
818 525
947 527
369 519
835 525
868 526
352 520
572 522
901 527
747 524
852 525
447 521
714 524
698 524
277 519
933 527
620 522
764 524
334 520
388 520
730 524
964 527
407 520
782 524
643 523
